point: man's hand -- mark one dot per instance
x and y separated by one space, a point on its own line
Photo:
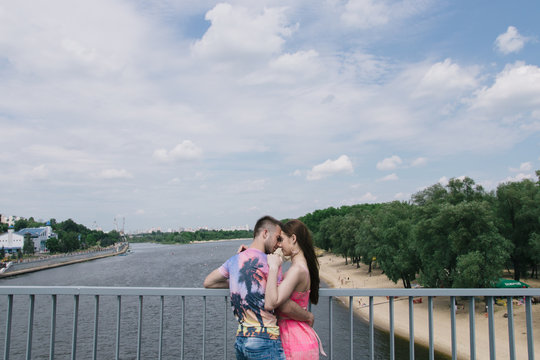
294 311
215 280
311 320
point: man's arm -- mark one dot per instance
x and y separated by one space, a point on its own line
296 312
215 280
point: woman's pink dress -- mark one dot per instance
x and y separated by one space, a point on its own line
299 340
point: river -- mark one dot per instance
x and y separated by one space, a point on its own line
152 265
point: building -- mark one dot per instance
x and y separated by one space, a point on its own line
10 220
12 241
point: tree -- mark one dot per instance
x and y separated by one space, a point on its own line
534 244
394 248
53 245
453 231
20 224
2 253
28 247
518 209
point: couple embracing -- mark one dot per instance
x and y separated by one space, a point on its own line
257 288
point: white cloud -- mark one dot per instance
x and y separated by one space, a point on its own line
287 69
140 212
401 196
236 33
390 163
511 41
519 177
330 167
368 197
446 77
421 161
186 150
391 177
114 174
516 89
366 13
526 166
443 181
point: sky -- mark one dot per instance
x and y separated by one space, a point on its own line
168 114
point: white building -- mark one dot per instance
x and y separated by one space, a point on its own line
10 220
11 241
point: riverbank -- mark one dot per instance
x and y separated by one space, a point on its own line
336 274
53 262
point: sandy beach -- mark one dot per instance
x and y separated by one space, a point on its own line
336 274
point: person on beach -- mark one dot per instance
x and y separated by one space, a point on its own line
301 284
245 274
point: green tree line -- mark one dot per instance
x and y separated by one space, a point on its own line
185 237
71 236
456 235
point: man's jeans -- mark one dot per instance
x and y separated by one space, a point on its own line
256 348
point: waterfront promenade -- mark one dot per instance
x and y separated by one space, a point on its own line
44 262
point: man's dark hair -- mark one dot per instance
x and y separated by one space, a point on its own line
266 222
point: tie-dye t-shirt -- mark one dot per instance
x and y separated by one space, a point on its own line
247 273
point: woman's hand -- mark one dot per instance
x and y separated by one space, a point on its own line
241 248
274 261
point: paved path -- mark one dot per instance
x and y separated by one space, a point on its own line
55 261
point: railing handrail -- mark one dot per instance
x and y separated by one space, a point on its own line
171 291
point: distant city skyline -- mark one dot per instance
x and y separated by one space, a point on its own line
211 113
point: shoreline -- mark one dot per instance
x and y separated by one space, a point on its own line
336 274
62 263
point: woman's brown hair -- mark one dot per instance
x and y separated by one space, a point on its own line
303 237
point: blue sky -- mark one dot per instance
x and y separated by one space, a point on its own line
201 113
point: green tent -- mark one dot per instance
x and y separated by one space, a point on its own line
508 283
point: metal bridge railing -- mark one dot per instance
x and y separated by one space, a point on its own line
28 295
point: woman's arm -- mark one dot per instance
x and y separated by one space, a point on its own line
276 295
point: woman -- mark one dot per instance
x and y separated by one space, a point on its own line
300 284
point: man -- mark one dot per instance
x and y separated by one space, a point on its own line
245 275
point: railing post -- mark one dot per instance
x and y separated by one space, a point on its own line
453 325
331 316
351 331
183 321
7 341
371 330
118 316
160 349
491 325
511 337
530 337
392 339
30 327
225 332
139 334
472 330
204 327
75 322
96 322
53 327
430 324
411 328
